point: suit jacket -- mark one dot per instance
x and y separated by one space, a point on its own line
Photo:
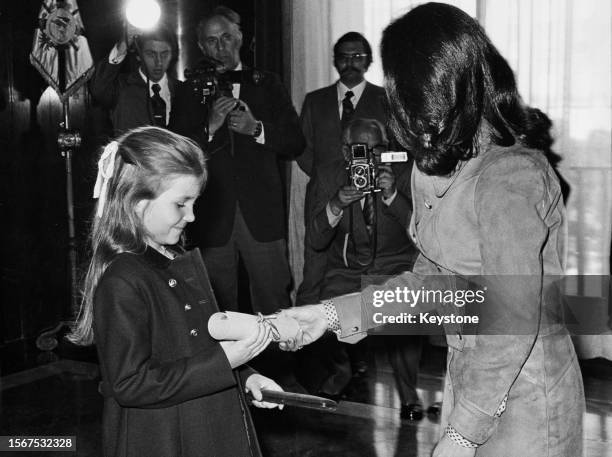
168 386
242 171
395 252
320 121
126 96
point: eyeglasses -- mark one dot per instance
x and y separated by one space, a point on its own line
345 58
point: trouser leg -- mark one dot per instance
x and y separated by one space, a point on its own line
268 269
404 355
222 265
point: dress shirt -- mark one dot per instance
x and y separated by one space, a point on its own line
357 92
115 58
164 92
261 139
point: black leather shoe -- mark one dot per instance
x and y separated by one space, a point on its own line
412 412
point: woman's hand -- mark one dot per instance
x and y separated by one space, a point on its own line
255 383
312 322
241 351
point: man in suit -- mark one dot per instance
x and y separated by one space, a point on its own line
364 235
324 115
241 213
147 95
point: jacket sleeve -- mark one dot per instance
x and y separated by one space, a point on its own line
511 203
400 208
320 232
358 312
306 160
283 134
105 84
134 378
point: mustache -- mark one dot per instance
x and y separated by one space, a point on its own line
347 69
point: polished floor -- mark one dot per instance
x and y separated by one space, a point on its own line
44 394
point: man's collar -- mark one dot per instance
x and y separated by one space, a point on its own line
357 90
162 82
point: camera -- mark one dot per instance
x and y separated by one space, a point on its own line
363 165
208 82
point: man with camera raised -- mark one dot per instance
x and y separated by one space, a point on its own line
359 218
241 213
324 115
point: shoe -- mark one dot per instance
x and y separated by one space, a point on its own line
434 411
412 412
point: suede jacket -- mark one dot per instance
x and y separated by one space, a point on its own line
500 216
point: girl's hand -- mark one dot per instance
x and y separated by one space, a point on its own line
241 351
255 383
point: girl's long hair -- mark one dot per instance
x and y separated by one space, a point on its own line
146 158
443 78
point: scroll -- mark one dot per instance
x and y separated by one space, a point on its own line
230 325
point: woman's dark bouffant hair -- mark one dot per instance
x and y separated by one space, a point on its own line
443 76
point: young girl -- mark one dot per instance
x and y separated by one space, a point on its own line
170 389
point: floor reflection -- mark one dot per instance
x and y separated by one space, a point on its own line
61 398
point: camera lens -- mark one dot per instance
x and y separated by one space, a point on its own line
360 182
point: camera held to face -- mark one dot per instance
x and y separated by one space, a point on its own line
363 165
208 81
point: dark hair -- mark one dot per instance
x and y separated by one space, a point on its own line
443 77
351 37
160 33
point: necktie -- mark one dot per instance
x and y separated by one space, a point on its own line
369 212
159 107
347 108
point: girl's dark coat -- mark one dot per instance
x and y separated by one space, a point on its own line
168 386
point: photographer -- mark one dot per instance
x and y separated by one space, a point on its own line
363 234
249 130
147 95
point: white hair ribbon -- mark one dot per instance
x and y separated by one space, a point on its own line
104 174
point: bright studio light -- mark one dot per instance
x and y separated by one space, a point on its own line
142 14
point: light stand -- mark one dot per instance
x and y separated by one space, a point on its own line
142 14
68 141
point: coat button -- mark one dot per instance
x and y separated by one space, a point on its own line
172 282
194 332
354 329
187 307
428 205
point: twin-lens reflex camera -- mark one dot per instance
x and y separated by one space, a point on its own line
363 165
